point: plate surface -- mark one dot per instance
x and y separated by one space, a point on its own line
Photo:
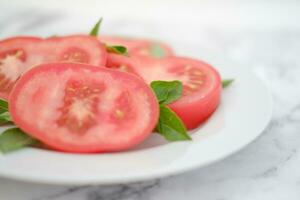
245 111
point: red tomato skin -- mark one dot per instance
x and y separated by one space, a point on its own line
20 38
84 148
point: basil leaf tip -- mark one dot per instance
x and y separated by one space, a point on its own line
170 126
227 82
95 29
117 49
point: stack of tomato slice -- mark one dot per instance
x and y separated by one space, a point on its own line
201 82
73 95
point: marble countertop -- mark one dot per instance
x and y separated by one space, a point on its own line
263 36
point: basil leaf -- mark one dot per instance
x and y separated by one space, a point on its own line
2 110
117 50
3 105
157 51
226 82
167 91
13 139
5 117
95 30
170 125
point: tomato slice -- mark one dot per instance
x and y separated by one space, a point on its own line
19 54
80 108
201 85
140 47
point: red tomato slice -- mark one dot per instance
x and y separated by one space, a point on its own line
138 47
81 108
17 55
201 85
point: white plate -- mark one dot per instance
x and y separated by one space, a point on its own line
245 111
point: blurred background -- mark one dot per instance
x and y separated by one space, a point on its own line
214 30
258 35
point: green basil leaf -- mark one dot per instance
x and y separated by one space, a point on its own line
2 110
13 139
3 105
117 50
95 30
167 91
5 117
157 51
226 82
170 125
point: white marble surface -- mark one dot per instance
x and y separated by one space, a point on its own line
261 35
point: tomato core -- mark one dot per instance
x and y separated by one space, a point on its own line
79 106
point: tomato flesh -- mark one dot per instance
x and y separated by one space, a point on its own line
79 106
19 54
82 108
74 54
201 85
153 49
140 47
121 63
